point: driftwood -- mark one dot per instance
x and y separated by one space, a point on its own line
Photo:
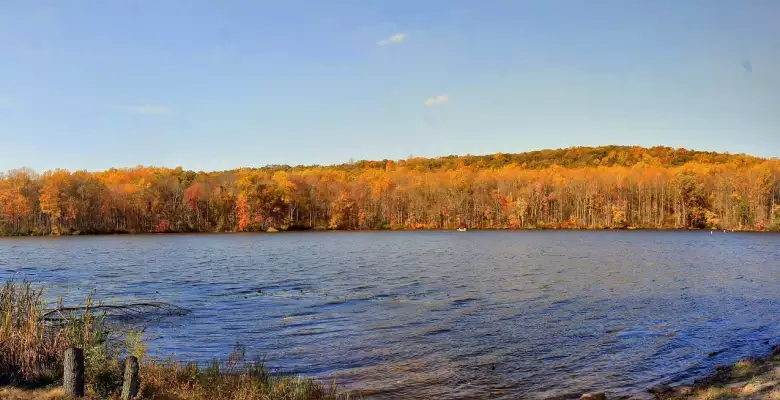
594 396
120 312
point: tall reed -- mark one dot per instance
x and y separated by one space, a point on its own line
28 349
32 341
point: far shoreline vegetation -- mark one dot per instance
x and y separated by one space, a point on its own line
609 187
315 230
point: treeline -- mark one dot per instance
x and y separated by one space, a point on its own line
593 188
573 157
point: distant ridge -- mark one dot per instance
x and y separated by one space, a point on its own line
571 157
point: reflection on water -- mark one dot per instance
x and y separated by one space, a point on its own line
440 314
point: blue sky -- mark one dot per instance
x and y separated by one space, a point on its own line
221 84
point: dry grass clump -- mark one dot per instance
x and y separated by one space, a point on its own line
41 394
27 349
715 393
748 379
175 381
745 368
234 379
774 394
756 390
31 346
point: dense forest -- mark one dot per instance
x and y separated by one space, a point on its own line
579 187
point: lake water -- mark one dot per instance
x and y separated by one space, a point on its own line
499 314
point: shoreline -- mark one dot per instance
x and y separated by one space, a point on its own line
316 230
749 378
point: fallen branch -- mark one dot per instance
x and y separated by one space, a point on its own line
128 311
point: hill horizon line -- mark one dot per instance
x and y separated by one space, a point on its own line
570 157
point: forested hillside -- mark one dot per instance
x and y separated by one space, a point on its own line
601 187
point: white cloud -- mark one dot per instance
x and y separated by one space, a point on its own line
432 101
148 109
397 38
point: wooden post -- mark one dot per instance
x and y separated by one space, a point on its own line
130 384
73 377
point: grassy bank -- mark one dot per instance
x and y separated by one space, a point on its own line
753 378
33 339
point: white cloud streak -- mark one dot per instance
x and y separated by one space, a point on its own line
148 109
432 101
394 39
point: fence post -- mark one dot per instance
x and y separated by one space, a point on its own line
73 377
130 384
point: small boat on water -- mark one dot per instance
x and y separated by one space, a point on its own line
461 229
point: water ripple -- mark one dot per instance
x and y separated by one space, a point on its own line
440 314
